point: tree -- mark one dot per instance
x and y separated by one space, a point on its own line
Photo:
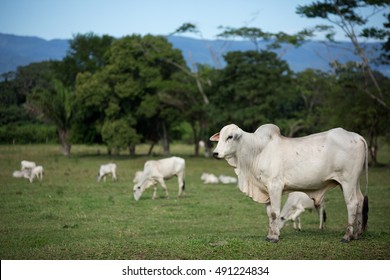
346 15
87 53
312 86
348 107
55 105
253 89
127 87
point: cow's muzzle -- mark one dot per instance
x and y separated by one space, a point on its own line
216 155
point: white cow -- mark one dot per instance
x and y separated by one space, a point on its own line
25 164
155 171
209 178
37 171
105 169
227 179
137 177
268 164
25 173
295 205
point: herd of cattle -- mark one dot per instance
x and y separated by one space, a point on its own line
268 165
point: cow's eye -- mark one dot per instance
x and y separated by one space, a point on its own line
229 137
139 187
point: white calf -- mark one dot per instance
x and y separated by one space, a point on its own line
295 205
105 169
37 171
24 164
209 178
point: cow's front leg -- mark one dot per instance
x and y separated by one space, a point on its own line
154 192
273 212
296 218
162 183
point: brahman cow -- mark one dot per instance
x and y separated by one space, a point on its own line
25 164
155 171
37 171
295 205
268 164
105 169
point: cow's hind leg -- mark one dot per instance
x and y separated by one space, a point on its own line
162 183
352 202
361 215
181 182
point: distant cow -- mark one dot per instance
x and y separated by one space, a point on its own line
209 178
295 205
25 173
156 171
268 164
36 172
25 164
105 169
227 179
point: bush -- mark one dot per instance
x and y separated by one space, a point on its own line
27 134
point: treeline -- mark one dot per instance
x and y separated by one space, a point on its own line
122 92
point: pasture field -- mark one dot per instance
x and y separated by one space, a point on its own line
71 216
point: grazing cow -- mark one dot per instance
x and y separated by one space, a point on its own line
155 171
137 177
295 205
268 164
227 179
209 178
25 164
105 169
37 171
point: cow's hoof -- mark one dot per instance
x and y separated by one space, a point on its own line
343 240
272 240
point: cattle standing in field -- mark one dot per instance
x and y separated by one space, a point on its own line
105 169
268 164
295 205
156 171
37 171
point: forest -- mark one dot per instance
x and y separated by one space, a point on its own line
122 92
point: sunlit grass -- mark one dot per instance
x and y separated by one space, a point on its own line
71 216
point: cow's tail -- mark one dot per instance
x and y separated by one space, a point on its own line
324 215
365 201
183 187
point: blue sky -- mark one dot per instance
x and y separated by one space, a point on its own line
61 19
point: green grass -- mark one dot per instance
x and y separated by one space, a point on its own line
71 216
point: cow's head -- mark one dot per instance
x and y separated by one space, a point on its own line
139 188
227 139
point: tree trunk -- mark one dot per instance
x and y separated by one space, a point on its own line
373 148
151 148
165 140
63 135
132 150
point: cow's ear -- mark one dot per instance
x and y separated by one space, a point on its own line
237 136
215 137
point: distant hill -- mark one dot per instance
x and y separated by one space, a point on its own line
22 50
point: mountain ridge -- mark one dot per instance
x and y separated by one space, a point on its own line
18 51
